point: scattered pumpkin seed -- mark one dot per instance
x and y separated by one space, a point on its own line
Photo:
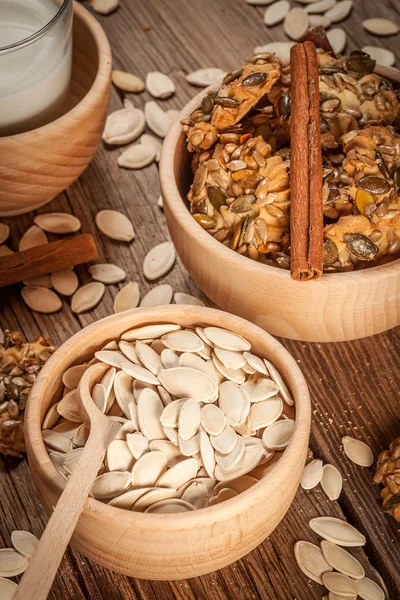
115 225
127 298
127 82
87 297
41 299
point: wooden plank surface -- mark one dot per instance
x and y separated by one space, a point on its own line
354 386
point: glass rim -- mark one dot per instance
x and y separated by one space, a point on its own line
38 34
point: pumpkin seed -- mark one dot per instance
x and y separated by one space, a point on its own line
40 281
149 140
65 282
339 584
170 451
149 331
340 11
262 389
87 297
276 13
320 7
140 373
41 299
58 222
183 341
213 420
254 79
11 563
233 402
205 77
169 359
109 485
230 360
331 482
380 26
124 125
250 459
104 7
265 413
361 246
175 505
56 440
382 56
319 21
311 561
129 350
159 261
123 391
153 496
277 435
159 85
136 156
128 499
226 339
156 119
127 298
358 451
369 590
24 542
127 82
188 383
337 531
148 357
119 457
69 408
296 23
196 494
115 225
238 375
179 474
226 101
107 273
161 294
337 38
148 469
230 460
342 561
312 474
138 444
34 236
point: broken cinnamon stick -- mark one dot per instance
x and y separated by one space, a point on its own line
47 258
306 219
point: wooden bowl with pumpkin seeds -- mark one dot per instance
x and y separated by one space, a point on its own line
150 544
336 307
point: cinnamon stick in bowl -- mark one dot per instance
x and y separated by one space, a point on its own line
306 220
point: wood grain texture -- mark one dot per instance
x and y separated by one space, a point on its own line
360 377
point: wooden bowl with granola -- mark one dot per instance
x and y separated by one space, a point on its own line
240 224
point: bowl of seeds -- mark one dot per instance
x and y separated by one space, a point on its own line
281 193
215 418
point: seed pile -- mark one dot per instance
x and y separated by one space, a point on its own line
14 561
20 363
334 567
239 138
388 475
202 418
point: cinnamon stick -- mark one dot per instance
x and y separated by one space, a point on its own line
47 258
306 218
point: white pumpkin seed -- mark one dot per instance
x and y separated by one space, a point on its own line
109 485
369 590
148 469
56 440
138 444
337 531
128 499
277 435
183 341
250 459
312 474
129 350
119 457
159 261
196 494
255 362
127 82
241 484
228 340
213 419
170 414
232 361
68 407
41 299
152 496
65 282
339 584
87 297
207 453
99 397
226 494
123 391
104 7
136 156
229 461
342 561
338 39
276 12
182 298
225 441
140 373
179 474
265 413
233 403
34 236
320 7
281 49
381 26
115 225
150 408
139 386
169 359
149 358
170 451
149 140
4 232
72 459
67 430
58 222
156 119
51 417
7 589
40 281
318 20
331 482
11 562
161 294
107 273
189 419
262 389
159 85
172 435
24 542
358 451
127 298
183 382
5 251
190 447
174 505
311 560
206 77
124 125
383 56
340 11
192 361
277 377
296 23
149 331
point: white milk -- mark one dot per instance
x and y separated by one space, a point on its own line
34 79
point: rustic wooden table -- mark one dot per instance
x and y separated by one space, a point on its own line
354 386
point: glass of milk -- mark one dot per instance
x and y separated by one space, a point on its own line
35 62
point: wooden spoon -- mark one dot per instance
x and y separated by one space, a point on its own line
43 565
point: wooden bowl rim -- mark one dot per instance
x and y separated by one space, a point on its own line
299 440
180 212
100 84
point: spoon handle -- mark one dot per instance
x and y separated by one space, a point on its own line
42 569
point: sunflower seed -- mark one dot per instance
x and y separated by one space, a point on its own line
11 562
383 56
380 26
339 584
34 236
7 588
320 7
358 451
182 298
127 82
331 482
162 294
159 261
311 561
41 299
337 531
159 85
213 419
340 11
107 273
127 298
188 383
156 119
149 331
341 560
183 341
136 156
337 39
87 297
312 474
277 435
115 225
4 232
149 140
206 77
296 23
124 125
24 542
58 222
65 282
276 12
104 7
369 590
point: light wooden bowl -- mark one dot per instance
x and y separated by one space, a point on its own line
37 165
177 546
337 307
